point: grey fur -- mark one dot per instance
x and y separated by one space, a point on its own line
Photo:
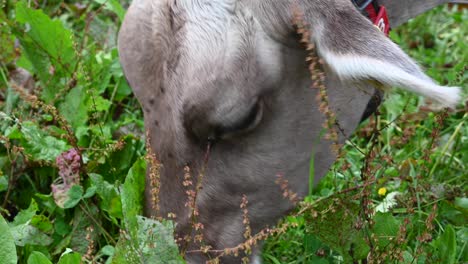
199 66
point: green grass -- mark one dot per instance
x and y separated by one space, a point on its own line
84 103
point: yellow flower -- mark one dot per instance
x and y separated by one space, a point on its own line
382 191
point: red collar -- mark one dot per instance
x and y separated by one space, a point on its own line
375 12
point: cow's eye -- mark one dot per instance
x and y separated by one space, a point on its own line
244 124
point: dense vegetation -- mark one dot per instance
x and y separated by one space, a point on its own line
73 158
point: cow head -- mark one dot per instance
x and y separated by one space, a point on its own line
226 92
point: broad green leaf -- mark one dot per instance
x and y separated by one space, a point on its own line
38 258
386 228
123 89
360 248
462 202
407 257
132 194
157 240
70 258
62 227
80 236
155 244
38 62
13 132
147 240
81 134
50 35
62 245
75 194
107 250
418 258
98 103
47 202
3 183
311 245
42 223
40 145
7 244
48 45
110 199
454 212
90 192
25 63
26 234
446 246
127 251
74 107
114 6
27 214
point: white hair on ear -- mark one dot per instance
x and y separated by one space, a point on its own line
360 67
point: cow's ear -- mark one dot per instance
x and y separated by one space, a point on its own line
356 50
143 46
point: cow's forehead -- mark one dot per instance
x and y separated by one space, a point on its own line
207 48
